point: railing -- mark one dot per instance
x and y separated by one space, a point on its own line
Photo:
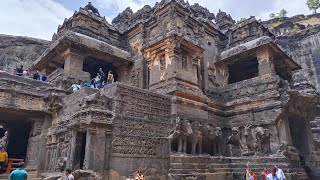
13 164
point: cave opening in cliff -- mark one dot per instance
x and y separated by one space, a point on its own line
92 65
243 70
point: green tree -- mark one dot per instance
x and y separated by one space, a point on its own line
272 15
282 13
313 5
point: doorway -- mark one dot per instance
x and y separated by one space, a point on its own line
80 150
18 136
92 65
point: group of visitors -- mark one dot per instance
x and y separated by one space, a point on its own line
25 73
138 176
98 82
100 79
275 174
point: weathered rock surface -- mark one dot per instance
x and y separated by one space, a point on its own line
16 50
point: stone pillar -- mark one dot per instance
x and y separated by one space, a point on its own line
73 65
265 60
89 150
97 151
107 157
42 144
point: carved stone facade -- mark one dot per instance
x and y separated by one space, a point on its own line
193 98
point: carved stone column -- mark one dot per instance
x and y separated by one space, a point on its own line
73 64
89 150
73 61
265 60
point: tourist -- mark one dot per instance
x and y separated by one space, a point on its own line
84 85
19 71
265 173
75 87
110 79
68 174
36 75
26 73
92 85
280 173
249 175
3 159
139 176
44 78
273 174
97 81
103 77
19 174
130 177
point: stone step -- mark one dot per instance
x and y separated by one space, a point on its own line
196 165
200 171
204 159
202 176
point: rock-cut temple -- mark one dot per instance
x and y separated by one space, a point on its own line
195 96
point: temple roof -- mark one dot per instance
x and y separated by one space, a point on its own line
73 39
235 53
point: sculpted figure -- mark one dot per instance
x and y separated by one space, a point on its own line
234 143
234 139
180 134
196 138
262 137
62 160
89 6
251 145
4 141
207 138
287 150
218 141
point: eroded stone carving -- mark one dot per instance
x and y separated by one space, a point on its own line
196 138
4 141
181 133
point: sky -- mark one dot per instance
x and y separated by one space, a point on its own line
40 18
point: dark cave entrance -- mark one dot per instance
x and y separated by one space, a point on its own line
80 150
18 136
92 65
243 70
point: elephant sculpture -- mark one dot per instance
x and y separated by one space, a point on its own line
196 138
262 137
211 139
250 143
180 135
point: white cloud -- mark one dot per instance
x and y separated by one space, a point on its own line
237 8
35 18
40 18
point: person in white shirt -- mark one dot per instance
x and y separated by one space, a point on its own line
68 174
273 175
280 173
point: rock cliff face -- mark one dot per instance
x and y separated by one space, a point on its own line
16 50
304 46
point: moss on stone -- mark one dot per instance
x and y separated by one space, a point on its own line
276 24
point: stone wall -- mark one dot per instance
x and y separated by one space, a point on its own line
16 50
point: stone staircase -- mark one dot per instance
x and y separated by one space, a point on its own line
32 175
183 167
238 167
